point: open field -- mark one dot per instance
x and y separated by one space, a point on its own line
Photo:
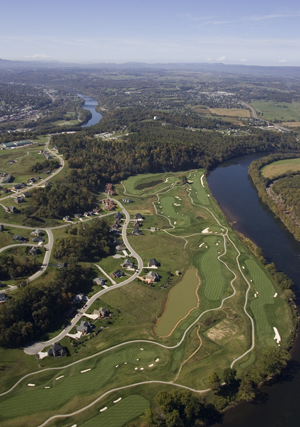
291 124
193 237
181 300
278 110
230 112
280 167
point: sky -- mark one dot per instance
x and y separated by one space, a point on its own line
255 32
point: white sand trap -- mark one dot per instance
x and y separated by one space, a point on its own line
103 409
85 370
91 316
58 378
42 354
167 179
74 425
117 366
75 336
157 360
175 222
243 267
201 245
125 363
136 369
205 231
118 400
47 386
152 364
255 296
141 369
217 244
137 359
141 349
31 385
202 180
208 195
177 197
277 337
176 204
275 295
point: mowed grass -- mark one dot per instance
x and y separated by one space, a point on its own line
280 167
120 413
230 112
21 170
198 192
147 179
263 285
181 300
213 270
125 365
278 110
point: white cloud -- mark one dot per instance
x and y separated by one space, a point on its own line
243 60
283 60
222 57
208 59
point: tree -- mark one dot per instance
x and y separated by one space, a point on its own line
214 382
229 376
246 390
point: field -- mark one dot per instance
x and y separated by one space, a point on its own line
280 167
230 112
181 300
172 330
291 124
277 110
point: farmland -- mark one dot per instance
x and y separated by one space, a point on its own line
230 112
280 110
281 167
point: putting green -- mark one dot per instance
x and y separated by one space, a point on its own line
120 413
181 300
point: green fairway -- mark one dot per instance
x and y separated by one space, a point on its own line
119 413
280 167
213 270
181 300
149 183
263 285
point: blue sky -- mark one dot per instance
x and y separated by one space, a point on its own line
257 32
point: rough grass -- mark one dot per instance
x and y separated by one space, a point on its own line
280 167
181 299
230 112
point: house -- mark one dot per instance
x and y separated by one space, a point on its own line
34 250
138 217
97 210
127 263
78 215
104 312
137 232
3 297
127 200
109 204
153 263
109 189
100 281
67 218
38 239
56 350
120 247
19 199
117 274
37 232
25 195
11 209
5 190
18 238
79 298
85 327
151 277
119 215
1 227
31 181
62 265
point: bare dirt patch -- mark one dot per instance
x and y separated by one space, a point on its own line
222 332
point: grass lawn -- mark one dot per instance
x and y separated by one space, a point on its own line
278 110
280 167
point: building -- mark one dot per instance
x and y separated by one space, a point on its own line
117 274
18 238
37 232
56 350
67 218
127 263
3 297
34 250
1 227
102 312
85 327
138 217
38 240
153 263
127 200
100 281
151 277
109 205
11 209
109 189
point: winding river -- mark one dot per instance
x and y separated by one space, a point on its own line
237 197
90 104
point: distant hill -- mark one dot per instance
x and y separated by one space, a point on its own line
205 67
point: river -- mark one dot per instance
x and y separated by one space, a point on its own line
237 197
90 104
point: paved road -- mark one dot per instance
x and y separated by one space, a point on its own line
36 347
252 110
